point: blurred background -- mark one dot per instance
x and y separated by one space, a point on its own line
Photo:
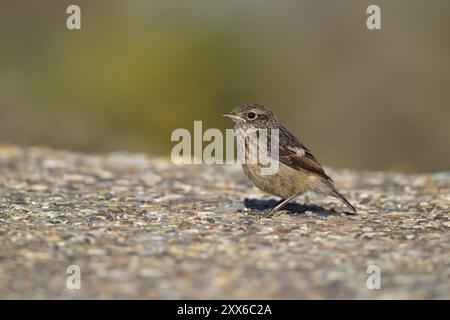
139 69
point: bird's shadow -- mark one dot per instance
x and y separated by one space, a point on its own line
293 207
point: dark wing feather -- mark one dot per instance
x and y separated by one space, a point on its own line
293 153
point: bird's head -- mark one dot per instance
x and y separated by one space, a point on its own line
252 115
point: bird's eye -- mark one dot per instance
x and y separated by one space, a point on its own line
251 115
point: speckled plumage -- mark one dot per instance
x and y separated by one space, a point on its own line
299 171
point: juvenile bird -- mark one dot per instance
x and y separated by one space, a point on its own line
298 169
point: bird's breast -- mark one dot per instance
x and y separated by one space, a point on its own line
284 183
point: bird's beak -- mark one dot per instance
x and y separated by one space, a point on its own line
233 117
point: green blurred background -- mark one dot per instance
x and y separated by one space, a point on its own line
139 69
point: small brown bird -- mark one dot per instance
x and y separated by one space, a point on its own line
298 169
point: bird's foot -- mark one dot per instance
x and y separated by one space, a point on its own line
272 213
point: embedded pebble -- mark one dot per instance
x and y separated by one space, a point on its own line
140 227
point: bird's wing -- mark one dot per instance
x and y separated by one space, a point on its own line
294 154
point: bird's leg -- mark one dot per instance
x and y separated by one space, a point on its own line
282 204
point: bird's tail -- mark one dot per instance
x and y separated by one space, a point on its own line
338 195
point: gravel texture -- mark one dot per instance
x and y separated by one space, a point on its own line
141 227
